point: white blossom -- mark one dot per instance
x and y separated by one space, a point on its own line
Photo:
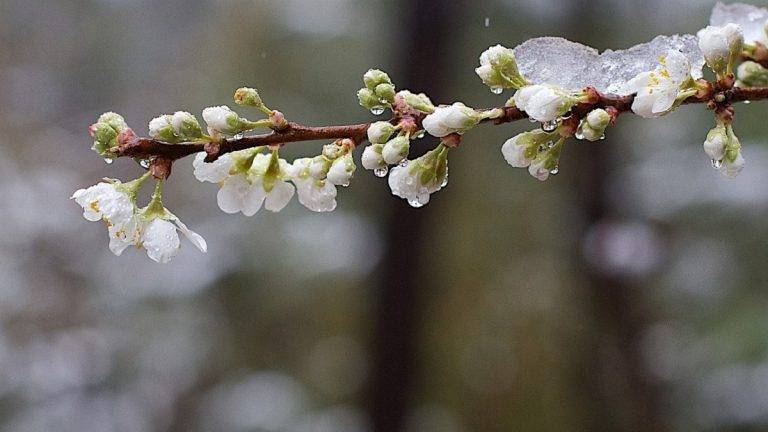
372 158
342 170
720 45
247 191
159 237
107 202
416 180
543 102
456 118
658 90
316 195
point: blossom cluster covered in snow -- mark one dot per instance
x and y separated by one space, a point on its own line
551 77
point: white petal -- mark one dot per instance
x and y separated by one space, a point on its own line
253 198
279 196
214 172
232 194
194 238
161 240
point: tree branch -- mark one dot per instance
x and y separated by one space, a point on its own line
147 148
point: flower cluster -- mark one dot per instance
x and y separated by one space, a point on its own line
153 228
662 89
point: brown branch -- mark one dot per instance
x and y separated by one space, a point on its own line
146 148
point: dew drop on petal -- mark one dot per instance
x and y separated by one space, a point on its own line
144 163
377 110
445 182
717 164
381 171
549 126
415 203
108 160
497 89
532 120
404 163
579 135
420 134
555 170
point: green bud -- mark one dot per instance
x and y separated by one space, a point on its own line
752 74
114 120
385 92
248 96
419 101
367 98
374 77
186 126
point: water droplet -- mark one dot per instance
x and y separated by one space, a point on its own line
108 160
549 126
555 170
420 135
415 202
144 163
445 182
238 136
579 135
377 110
404 163
747 102
717 164
532 120
381 171
551 144
496 89
602 137
487 21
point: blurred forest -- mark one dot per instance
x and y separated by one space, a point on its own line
628 293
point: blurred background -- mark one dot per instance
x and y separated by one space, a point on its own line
628 293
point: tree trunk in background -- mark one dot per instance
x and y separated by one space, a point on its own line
618 372
425 26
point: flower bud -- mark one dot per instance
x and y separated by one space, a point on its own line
222 119
367 98
456 118
160 128
419 101
248 96
379 132
385 92
341 170
374 77
544 102
752 74
333 150
520 150
186 126
396 149
593 126
714 145
114 120
498 69
721 46
372 158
